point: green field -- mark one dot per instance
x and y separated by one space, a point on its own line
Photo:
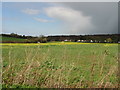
72 65
11 39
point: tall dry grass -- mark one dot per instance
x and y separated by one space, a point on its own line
39 69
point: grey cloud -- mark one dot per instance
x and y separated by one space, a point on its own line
104 15
73 22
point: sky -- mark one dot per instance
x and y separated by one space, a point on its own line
60 18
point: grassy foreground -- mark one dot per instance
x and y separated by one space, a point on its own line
60 65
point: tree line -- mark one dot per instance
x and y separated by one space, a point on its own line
101 38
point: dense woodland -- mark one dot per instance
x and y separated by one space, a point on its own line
101 38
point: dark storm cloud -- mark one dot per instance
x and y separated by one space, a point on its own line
104 15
